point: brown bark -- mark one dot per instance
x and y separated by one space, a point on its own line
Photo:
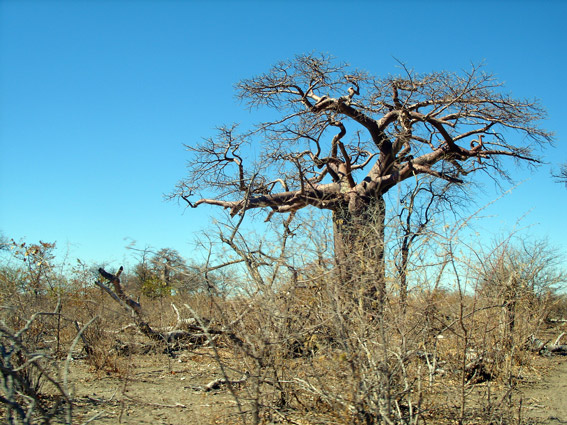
359 251
404 274
390 130
196 332
128 303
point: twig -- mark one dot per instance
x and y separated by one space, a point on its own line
94 417
136 400
216 383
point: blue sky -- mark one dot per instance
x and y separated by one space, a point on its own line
97 99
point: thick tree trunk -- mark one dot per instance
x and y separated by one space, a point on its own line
359 251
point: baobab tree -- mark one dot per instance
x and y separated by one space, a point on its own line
342 139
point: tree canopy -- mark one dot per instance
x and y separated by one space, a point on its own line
344 137
341 138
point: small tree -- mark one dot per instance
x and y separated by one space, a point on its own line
561 177
29 268
415 217
159 273
343 139
522 277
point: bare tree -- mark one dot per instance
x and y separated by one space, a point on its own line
417 210
344 138
159 273
561 177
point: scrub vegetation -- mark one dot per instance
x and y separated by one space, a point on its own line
367 298
265 331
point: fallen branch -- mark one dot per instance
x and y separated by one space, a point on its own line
127 303
217 383
190 331
545 348
146 403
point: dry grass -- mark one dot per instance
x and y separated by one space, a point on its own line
310 350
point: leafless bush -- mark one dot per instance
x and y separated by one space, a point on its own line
295 338
558 308
26 370
304 340
313 350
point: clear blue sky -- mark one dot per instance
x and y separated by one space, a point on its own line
97 99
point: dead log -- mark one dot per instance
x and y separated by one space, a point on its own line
190 332
560 350
547 348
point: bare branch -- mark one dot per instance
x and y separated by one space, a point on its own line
403 125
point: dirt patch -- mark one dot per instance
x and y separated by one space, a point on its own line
154 389
546 401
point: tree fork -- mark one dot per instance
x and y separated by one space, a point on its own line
401 127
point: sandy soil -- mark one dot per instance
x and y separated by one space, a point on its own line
157 390
161 390
546 401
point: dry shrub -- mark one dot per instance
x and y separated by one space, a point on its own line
557 308
316 353
101 349
294 342
34 381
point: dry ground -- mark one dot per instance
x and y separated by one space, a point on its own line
156 389
152 389
546 398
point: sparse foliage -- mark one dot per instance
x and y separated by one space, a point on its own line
345 138
315 322
165 272
561 177
34 272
